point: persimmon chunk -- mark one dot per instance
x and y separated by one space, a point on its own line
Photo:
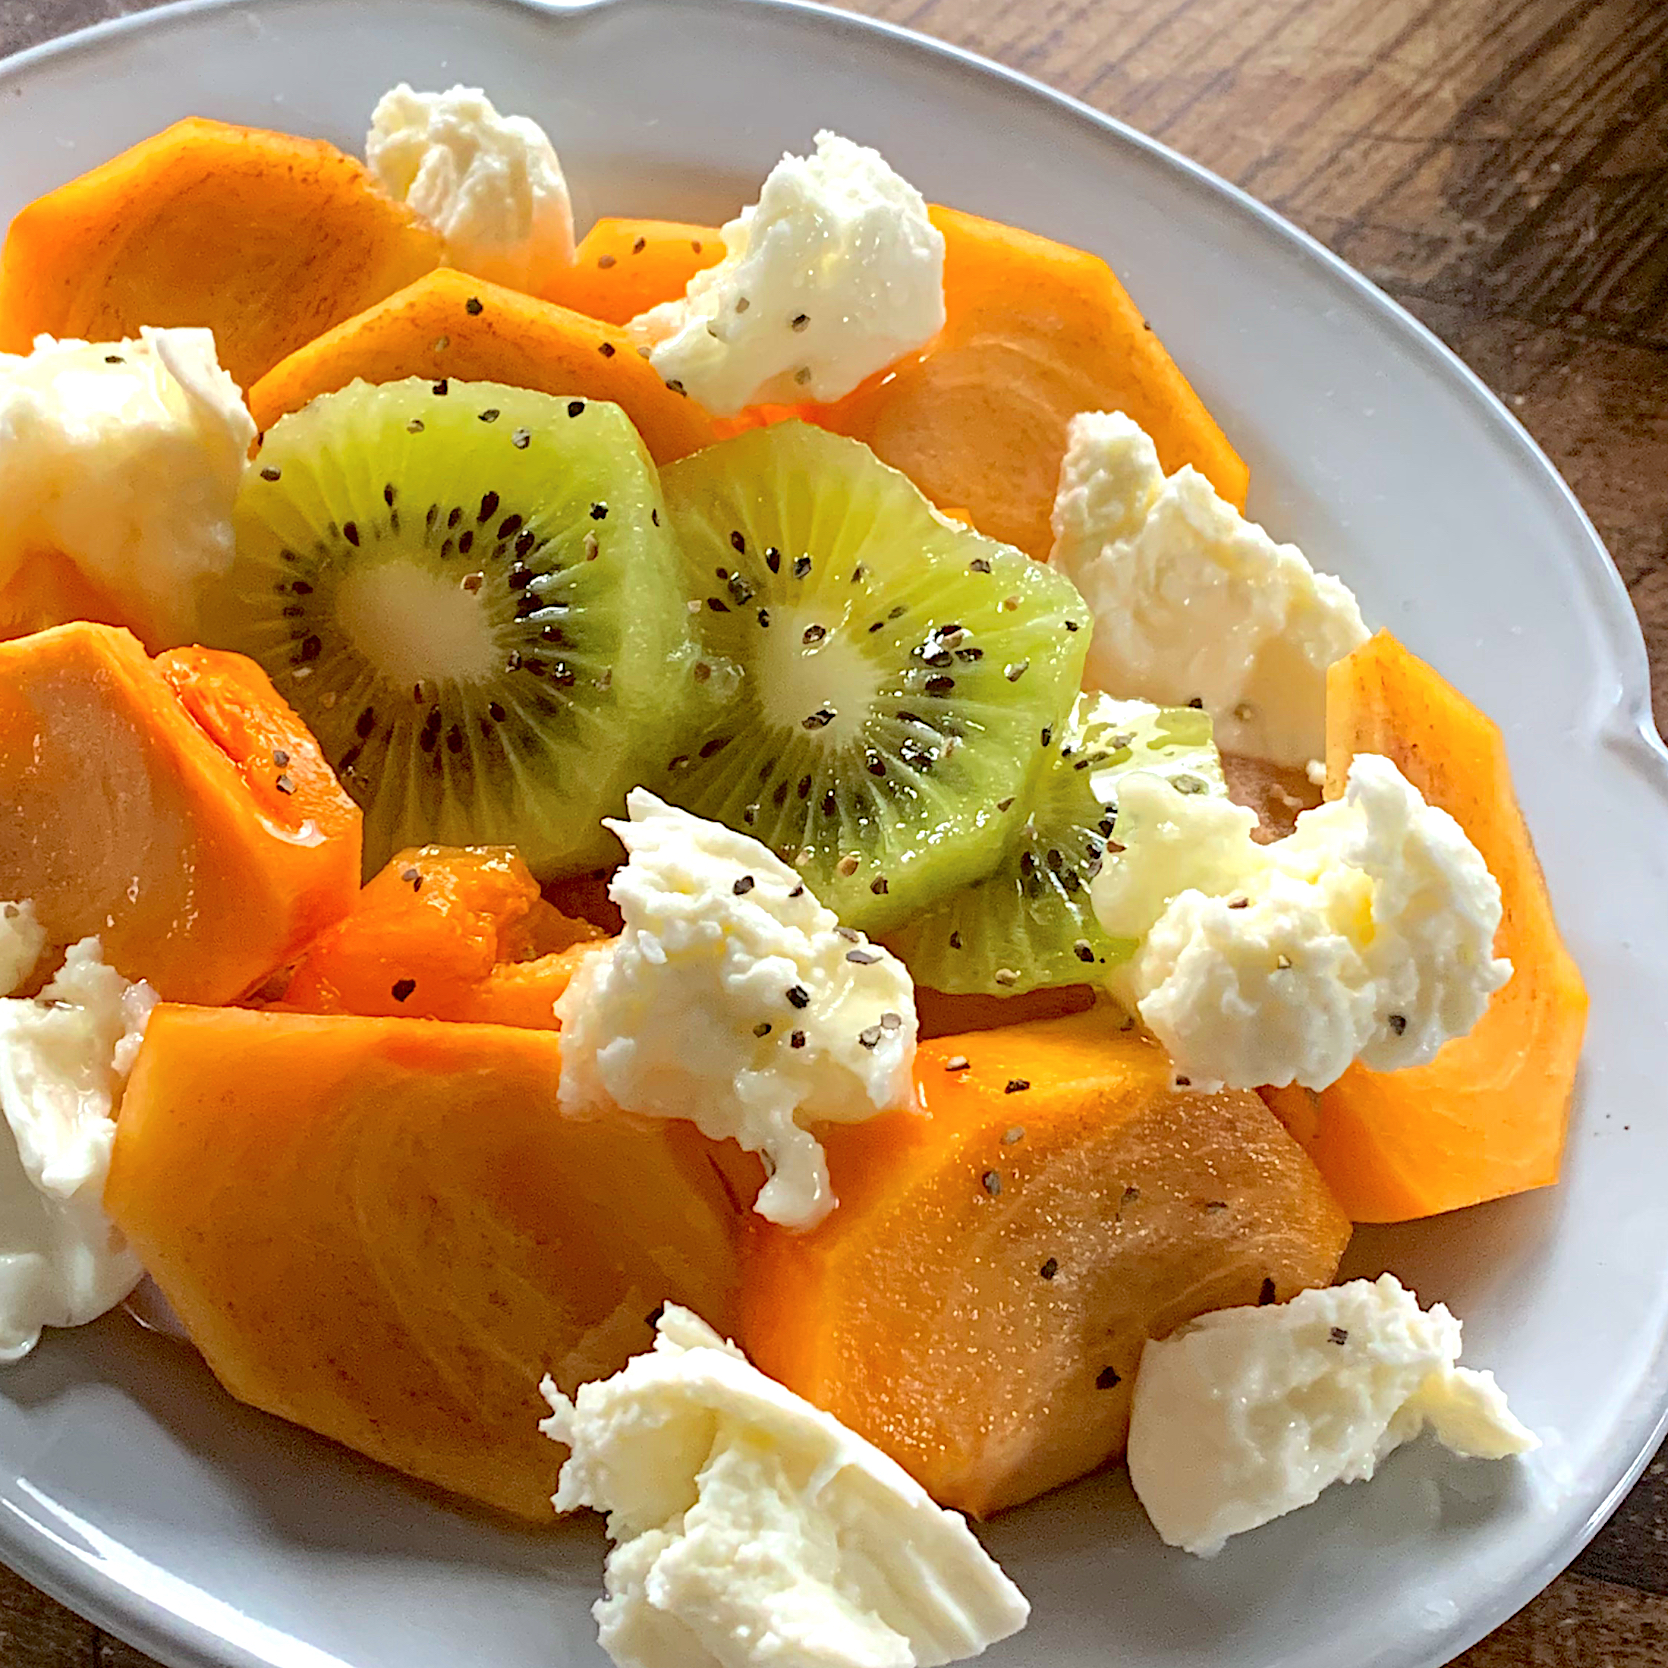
449 325
383 1230
446 932
624 267
265 238
1036 332
176 807
1488 1116
977 1304
942 1013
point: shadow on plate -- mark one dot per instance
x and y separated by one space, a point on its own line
298 1487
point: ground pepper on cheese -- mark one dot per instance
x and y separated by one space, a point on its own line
732 997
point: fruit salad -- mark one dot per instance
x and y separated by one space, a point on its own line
708 874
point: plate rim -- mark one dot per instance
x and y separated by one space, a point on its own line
1628 728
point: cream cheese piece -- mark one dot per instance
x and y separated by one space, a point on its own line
491 185
124 459
833 274
64 1057
735 999
1192 601
752 1530
1246 1414
1367 933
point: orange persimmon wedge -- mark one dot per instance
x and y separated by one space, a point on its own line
446 932
1035 332
762 416
977 1303
624 267
451 325
1488 1115
48 589
265 238
382 1229
176 807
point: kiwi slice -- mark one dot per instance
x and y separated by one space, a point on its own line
882 686
472 596
1029 924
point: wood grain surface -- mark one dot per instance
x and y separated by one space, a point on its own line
1501 168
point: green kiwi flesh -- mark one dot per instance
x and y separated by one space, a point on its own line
878 688
1029 924
471 594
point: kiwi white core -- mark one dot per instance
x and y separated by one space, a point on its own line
797 679
416 625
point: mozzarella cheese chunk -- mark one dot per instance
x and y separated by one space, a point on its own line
123 459
832 275
1246 1414
752 1530
1192 601
22 939
491 185
734 999
1367 933
64 1057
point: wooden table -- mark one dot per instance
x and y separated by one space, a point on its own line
1501 168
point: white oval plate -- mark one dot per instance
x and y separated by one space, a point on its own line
205 1533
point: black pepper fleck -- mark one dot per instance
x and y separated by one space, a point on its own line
798 996
1049 1269
402 988
743 886
1108 1378
1337 1335
992 1183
